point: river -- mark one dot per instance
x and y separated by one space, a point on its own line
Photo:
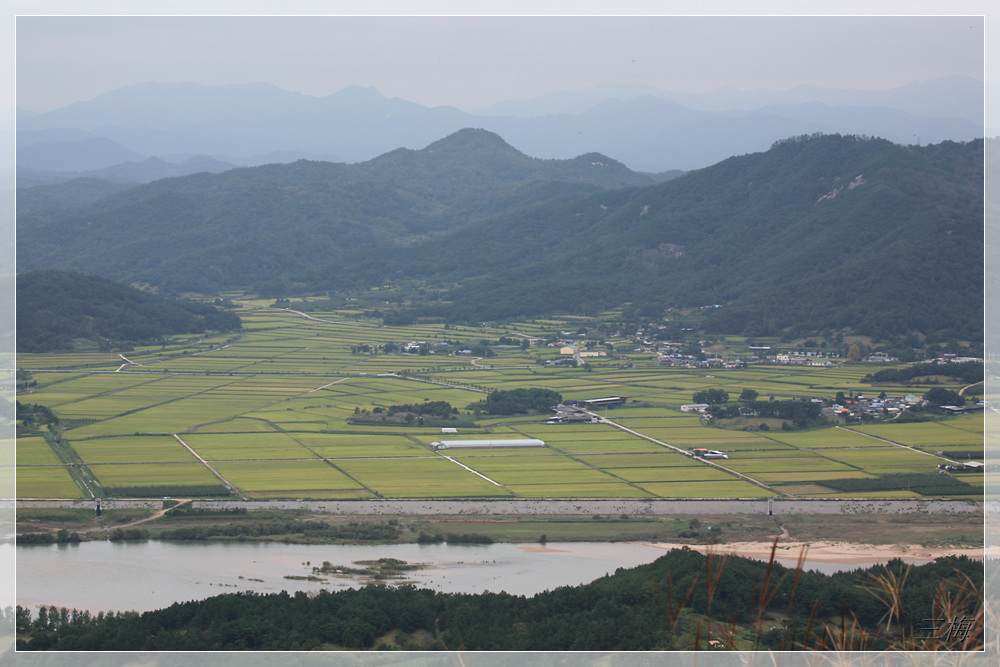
149 575
141 576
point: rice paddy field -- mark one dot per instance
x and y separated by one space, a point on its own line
272 413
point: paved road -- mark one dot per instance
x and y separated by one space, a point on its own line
582 507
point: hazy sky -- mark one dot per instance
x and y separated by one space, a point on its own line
470 62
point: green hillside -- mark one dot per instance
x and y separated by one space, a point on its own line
57 309
270 227
819 233
778 240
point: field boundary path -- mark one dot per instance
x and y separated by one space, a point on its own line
897 444
961 392
605 420
204 462
317 319
474 472
152 517
437 382
475 362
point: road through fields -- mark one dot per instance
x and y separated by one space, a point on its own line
581 507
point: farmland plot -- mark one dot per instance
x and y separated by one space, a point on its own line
50 481
621 446
153 474
132 449
886 459
247 446
824 438
282 395
661 458
428 477
926 436
713 489
290 479
33 450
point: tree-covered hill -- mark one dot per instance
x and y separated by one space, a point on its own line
271 226
74 192
819 233
56 308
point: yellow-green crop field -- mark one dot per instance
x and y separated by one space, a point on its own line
131 449
923 435
309 478
46 482
34 451
152 474
269 413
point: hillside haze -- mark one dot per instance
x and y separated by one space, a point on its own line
817 233
645 128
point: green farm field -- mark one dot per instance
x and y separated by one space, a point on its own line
270 412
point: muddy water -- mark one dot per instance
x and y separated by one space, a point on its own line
106 576
150 575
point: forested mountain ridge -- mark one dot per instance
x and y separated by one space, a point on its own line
56 308
262 227
821 232
818 233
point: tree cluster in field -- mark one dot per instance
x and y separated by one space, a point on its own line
442 409
56 308
495 248
711 396
680 601
801 413
518 401
939 396
33 414
430 413
968 372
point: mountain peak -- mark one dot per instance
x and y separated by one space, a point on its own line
472 139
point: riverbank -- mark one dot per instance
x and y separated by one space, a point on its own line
842 553
303 525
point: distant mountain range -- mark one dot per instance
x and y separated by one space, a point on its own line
818 233
647 129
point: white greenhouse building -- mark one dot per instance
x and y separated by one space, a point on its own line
486 444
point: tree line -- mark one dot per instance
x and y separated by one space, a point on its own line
518 401
967 371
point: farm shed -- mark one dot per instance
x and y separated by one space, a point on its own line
601 402
486 444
